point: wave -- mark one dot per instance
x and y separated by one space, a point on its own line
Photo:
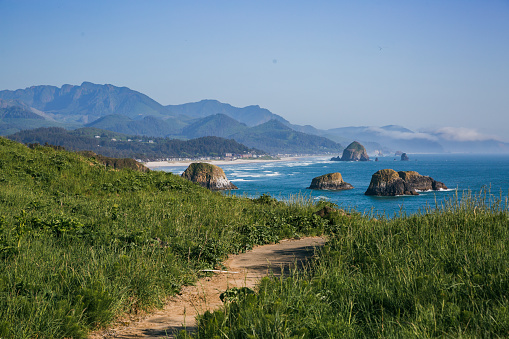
294 164
321 197
249 175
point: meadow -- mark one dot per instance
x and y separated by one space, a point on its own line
442 273
82 243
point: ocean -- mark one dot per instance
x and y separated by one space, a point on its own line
461 173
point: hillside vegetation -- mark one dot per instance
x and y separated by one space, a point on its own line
83 139
441 274
81 243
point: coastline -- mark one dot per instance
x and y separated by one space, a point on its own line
157 164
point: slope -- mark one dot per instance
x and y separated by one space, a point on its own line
276 138
250 115
219 125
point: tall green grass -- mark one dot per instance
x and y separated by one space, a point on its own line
81 244
443 273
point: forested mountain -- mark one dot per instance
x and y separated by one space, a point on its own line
120 145
147 126
123 110
87 102
250 115
273 136
219 125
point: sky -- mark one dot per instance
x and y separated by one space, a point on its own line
425 65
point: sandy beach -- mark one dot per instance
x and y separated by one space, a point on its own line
156 164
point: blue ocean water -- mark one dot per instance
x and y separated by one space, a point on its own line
459 172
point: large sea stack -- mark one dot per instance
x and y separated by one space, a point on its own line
354 152
331 181
388 182
209 176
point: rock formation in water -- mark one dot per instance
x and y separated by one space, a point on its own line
209 176
331 181
388 182
421 182
404 157
354 152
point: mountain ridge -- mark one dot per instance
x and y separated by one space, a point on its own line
88 104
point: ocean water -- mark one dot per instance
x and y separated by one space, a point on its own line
461 173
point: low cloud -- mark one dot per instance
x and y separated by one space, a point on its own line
461 134
403 135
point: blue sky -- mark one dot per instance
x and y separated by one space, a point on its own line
420 64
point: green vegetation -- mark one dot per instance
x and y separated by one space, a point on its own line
84 139
356 146
275 137
81 243
148 126
440 274
219 125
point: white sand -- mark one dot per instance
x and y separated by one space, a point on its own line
156 164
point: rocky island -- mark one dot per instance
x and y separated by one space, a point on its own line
404 157
388 182
331 181
209 176
354 152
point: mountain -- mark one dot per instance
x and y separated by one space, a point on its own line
15 117
87 102
148 126
275 137
219 125
250 115
127 111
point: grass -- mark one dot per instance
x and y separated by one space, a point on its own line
443 273
81 244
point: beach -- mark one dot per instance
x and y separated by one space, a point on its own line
156 164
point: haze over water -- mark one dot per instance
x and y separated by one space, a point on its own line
459 172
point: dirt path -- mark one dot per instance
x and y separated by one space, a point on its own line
245 269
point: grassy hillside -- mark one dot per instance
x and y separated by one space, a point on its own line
443 274
81 243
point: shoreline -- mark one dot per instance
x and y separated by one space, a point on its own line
157 164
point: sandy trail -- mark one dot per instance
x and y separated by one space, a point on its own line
179 313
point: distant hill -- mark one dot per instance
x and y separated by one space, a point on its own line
16 118
87 102
147 126
113 144
275 137
123 110
219 125
250 115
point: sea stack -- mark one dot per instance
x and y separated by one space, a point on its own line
388 182
209 176
331 181
404 157
354 152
